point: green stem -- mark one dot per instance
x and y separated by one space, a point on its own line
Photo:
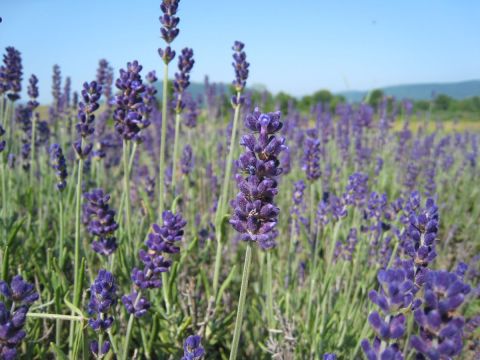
166 295
122 199
312 279
60 240
241 302
269 292
223 200
129 328
163 144
126 190
291 251
228 165
100 342
175 150
55 316
78 201
32 149
216 273
4 201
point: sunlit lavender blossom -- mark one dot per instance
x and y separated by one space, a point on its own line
101 222
255 214
11 74
240 65
311 159
131 113
192 348
440 326
169 30
182 78
187 160
58 163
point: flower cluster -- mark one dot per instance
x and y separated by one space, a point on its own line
191 113
91 93
396 293
131 113
422 233
150 89
441 328
311 159
346 251
329 356
356 189
192 348
187 160
103 298
240 65
161 240
101 221
21 294
255 214
11 74
182 78
58 163
169 30
33 92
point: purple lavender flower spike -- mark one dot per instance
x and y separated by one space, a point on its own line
103 351
101 221
33 92
240 65
182 78
192 348
91 93
139 308
255 214
56 87
441 327
164 238
420 237
329 356
357 189
169 30
11 330
150 89
191 113
131 113
187 160
11 74
58 163
103 298
169 21
19 291
375 351
311 159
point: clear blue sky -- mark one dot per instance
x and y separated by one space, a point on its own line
298 47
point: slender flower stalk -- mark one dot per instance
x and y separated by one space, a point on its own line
240 66
58 163
169 32
91 95
241 302
131 117
254 212
32 104
180 84
3 144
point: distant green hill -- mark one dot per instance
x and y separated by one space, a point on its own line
457 90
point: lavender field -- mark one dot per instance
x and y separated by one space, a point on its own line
142 221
